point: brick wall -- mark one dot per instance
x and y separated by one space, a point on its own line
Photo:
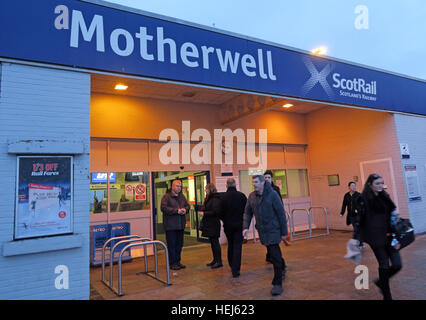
339 140
412 131
44 108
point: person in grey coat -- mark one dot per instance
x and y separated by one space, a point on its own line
271 224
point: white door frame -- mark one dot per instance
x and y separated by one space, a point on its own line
389 160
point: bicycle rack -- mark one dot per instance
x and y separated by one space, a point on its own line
154 242
139 239
111 257
128 243
326 221
293 233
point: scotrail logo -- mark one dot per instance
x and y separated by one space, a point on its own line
357 88
317 77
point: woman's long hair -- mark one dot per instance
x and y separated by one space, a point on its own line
212 188
367 192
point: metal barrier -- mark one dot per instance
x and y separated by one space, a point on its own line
326 221
293 233
112 249
309 234
111 258
120 292
127 241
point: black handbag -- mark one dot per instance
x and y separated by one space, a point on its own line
404 232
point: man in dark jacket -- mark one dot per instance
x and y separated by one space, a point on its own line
269 178
174 207
232 212
271 224
349 202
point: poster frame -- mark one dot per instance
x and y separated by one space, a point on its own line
16 217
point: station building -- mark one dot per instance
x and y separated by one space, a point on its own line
76 152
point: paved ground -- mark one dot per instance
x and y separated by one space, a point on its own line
316 271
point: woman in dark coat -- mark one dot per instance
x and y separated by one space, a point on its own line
376 207
210 225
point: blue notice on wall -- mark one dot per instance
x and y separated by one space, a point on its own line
101 177
412 182
99 234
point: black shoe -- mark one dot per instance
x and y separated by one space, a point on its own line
383 283
181 265
217 265
277 290
379 285
175 267
211 263
235 275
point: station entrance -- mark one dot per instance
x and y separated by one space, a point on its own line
193 184
308 151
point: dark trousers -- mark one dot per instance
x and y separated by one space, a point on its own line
268 258
384 254
357 230
216 250
235 244
277 260
174 239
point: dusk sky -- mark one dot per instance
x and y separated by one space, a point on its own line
392 37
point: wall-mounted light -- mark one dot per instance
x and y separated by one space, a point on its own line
319 51
288 105
121 87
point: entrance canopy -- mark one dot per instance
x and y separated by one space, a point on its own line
98 36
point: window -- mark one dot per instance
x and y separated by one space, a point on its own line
297 183
280 180
99 192
129 191
293 183
246 185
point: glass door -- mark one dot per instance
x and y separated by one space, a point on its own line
193 184
200 184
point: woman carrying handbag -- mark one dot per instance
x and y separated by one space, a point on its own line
210 224
376 209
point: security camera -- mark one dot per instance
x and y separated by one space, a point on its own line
181 167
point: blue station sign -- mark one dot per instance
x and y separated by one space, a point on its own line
93 36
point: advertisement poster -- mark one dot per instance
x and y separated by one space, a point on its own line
412 183
44 196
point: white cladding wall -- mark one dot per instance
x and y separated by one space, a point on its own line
411 130
47 110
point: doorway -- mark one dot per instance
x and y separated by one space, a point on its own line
193 184
383 167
